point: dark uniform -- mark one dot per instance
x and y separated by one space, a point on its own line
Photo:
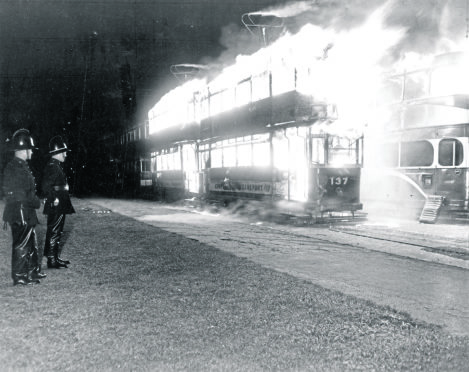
56 205
20 213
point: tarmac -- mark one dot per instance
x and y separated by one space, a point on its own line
417 268
446 244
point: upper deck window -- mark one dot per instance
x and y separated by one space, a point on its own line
260 86
243 93
450 152
283 76
416 154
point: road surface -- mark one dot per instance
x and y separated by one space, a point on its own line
430 287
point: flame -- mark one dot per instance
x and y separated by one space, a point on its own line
334 67
167 112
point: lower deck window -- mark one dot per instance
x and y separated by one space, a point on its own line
450 152
416 154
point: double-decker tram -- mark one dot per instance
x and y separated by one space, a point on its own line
260 130
420 162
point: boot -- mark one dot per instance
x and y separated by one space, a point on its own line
31 277
59 253
25 279
52 263
21 279
36 262
36 274
53 258
63 262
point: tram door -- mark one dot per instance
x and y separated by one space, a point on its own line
191 172
450 175
290 158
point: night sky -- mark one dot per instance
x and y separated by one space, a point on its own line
45 40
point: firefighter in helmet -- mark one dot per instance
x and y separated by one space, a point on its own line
21 203
57 203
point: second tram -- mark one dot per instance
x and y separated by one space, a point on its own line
421 159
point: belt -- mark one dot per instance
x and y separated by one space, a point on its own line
61 188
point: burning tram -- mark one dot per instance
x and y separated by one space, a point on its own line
260 130
421 157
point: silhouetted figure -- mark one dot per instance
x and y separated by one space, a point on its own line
57 203
19 189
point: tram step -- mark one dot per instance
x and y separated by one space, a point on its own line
431 209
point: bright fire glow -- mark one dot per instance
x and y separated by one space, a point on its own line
340 68
173 109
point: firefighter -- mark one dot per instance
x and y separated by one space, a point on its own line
57 203
21 203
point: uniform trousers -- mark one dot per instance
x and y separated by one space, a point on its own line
55 227
25 252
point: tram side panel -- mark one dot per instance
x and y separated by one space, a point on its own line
256 183
335 189
170 185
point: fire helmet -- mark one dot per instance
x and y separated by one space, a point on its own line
22 140
57 145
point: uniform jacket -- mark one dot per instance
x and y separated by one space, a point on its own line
19 188
55 186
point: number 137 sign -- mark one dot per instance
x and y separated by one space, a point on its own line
338 181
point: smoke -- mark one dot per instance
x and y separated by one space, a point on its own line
294 8
236 40
432 26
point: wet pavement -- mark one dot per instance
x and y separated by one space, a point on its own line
415 268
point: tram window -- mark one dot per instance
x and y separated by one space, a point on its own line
217 158
260 137
176 160
196 108
318 150
145 165
222 101
341 150
245 154
243 93
204 159
215 103
260 86
159 163
204 108
450 152
416 154
283 80
229 156
261 154
154 160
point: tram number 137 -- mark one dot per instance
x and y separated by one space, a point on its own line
338 181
